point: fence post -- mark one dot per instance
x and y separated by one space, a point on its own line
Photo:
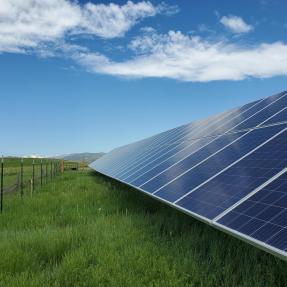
33 175
51 170
21 178
46 171
41 172
2 182
62 166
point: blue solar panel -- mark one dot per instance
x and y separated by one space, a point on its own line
265 114
144 147
191 130
280 117
207 129
217 169
196 176
126 154
263 216
180 168
222 191
163 163
213 125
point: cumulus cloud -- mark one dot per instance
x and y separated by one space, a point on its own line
45 27
112 20
32 23
236 24
190 58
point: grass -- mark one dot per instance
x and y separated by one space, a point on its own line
12 170
85 230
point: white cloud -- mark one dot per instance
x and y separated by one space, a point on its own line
25 24
43 27
190 58
112 20
235 24
30 23
166 9
148 30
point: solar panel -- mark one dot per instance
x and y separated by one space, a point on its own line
263 216
229 170
258 166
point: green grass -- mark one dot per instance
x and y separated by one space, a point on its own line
12 169
84 230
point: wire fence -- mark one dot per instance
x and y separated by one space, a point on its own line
21 175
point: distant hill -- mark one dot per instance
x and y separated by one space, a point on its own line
87 157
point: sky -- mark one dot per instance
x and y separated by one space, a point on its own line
78 76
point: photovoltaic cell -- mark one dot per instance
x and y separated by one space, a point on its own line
222 191
280 117
185 132
143 169
196 176
263 216
265 114
167 161
178 172
228 170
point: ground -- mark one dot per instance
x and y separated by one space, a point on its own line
85 230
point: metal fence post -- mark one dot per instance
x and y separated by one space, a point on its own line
21 178
46 171
41 172
51 170
2 183
33 175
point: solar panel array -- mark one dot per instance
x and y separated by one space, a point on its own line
229 170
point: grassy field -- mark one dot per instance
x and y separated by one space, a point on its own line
84 230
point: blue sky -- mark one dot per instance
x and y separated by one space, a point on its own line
91 75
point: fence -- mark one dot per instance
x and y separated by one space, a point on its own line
17 175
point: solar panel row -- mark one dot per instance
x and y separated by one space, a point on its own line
217 170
